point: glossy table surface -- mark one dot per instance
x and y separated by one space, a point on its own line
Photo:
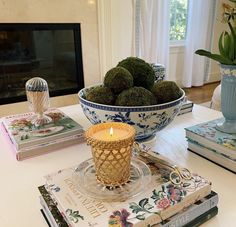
19 202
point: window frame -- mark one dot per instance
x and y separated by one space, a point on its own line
179 43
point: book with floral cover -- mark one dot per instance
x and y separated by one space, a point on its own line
27 141
23 134
184 217
43 148
194 223
208 136
159 201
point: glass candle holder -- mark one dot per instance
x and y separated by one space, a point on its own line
38 97
111 145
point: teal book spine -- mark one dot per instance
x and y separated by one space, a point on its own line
203 218
192 212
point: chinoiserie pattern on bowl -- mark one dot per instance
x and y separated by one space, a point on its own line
145 119
160 71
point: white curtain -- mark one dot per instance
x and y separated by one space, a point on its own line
152 31
199 36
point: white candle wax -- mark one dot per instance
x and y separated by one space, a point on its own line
105 135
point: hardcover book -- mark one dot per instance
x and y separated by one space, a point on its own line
213 155
23 133
208 136
42 148
50 209
186 216
27 141
186 107
158 202
203 218
189 214
194 223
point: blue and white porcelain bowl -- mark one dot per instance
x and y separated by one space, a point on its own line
146 120
160 71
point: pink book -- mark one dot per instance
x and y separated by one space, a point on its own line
27 141
24 134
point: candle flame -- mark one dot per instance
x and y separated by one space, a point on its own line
111 131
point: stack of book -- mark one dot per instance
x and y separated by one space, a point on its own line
161 204
186 107
205 140
27 141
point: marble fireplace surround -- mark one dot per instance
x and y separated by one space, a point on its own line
60 11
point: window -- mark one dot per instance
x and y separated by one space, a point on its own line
178 19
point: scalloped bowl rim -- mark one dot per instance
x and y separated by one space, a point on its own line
112 107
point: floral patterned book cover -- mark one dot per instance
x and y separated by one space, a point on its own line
160 200
208 136
23 134
184 217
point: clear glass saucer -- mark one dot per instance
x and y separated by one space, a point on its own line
85 179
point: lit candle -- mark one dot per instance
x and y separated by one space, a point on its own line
111 145
111 134
111 131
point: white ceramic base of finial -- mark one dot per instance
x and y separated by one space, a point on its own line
40 120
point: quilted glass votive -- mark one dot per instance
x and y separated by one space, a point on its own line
111 145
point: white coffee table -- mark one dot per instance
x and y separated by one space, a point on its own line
19 203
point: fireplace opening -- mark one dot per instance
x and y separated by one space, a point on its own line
50 51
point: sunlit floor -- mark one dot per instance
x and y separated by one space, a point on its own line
201 94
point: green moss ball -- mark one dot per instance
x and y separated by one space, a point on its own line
135 96
143 74
118 79
166 91
102 95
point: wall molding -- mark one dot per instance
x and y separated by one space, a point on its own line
104 36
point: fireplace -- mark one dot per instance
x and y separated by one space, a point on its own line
51 51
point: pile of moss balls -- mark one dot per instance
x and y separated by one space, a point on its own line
132 83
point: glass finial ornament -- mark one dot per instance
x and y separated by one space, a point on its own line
38 98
